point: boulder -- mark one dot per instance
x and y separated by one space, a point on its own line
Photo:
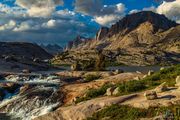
116 91
145 76
138 72
109 91
151 95
137 78
178 81
37 60
118 71
162 68
150 72
75 67
75 99
161 88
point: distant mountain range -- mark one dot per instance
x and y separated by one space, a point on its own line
16 56
142 38
52 48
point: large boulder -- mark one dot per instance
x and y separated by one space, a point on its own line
150 95
161 88
109 91
116 91
150 72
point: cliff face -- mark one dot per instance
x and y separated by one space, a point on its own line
143 38
76 42
102 33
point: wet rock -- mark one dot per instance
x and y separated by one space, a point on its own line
151 95
12 77
161 88
2 94
24 88
178 81
109 91
150 72
10 87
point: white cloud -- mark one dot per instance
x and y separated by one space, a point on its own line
107 19
11 11
49 24
170 10
25 26
134 11
8 26
39 8
102 14
152 8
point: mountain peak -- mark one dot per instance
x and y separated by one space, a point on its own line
132 21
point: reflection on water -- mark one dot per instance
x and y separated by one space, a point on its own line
143 69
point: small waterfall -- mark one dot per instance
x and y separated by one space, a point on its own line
36 96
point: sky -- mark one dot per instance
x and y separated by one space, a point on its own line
60 21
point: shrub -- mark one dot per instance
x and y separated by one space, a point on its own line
91 77
124 112
93 93
167 75
131 86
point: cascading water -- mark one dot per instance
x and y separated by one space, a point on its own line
35 96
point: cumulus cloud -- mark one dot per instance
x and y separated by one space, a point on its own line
170 10
102 14
62 26
8 26
39 8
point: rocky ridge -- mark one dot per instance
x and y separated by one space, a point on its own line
143 38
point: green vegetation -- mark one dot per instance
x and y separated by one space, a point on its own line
93 93
92 77
167 75
131 86
110 63
116 112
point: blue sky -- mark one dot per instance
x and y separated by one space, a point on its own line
59 21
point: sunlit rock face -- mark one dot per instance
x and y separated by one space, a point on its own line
29 100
